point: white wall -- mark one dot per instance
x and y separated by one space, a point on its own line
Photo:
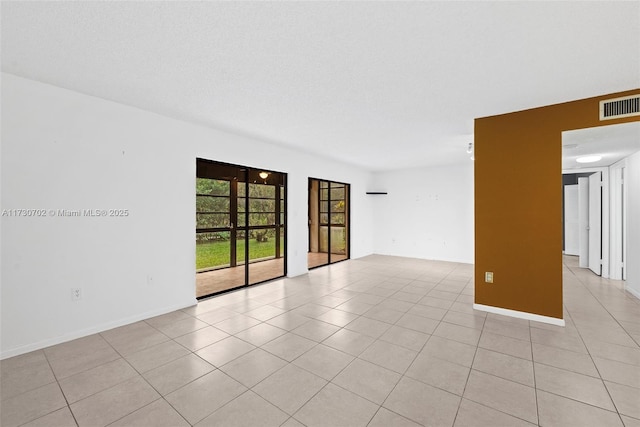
427 213
632 264
65 150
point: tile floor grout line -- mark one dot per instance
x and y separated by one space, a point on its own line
581 402
64 396
87 370
390 303
602 305
535 384
594 363
466 382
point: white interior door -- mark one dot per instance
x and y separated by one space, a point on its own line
583 222
595 223
617 222
571 231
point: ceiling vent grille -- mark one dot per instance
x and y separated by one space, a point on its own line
618 108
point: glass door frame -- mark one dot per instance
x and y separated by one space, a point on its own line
252 176
243 176
347 224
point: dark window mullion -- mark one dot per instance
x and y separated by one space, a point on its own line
246 227
213 212
329 221
319 217
233 207
278 198
212 229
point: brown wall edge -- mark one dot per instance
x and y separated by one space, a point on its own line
518 203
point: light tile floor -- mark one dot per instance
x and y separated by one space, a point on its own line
378 341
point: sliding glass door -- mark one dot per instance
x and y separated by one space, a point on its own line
328 222
240 226
264 224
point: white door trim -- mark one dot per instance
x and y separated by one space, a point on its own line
618 219
605 213
595 223
583 221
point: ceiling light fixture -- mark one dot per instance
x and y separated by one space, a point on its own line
588 159
263 175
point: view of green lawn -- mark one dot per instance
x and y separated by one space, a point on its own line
213 254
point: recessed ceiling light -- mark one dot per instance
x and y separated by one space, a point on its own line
588 159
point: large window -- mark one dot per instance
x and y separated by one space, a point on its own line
240 216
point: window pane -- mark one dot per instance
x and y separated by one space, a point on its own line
212 220
337 205
324 206
261 205
240 243
212 204
337 193
337 218
262 244
260 190
214 187
338 240
282 241
212 250
324 239
262 219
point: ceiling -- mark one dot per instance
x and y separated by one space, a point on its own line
612 143
381 85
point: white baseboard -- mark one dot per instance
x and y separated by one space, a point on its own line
519 314
4 354
632 291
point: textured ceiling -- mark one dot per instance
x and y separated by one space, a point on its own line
612 143
382 85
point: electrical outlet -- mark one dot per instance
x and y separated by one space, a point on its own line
488 277
76 294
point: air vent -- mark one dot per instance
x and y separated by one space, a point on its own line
618 108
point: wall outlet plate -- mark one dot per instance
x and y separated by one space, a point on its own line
488 277
76 294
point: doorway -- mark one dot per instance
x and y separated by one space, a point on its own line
582 218
240 226
328 222
598 157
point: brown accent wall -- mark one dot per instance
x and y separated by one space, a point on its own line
518 203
